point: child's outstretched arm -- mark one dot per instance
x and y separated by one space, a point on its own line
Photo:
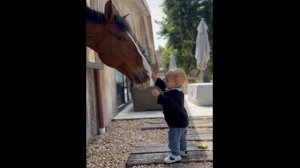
158 82
161 84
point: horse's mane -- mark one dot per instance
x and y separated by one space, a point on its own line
98 17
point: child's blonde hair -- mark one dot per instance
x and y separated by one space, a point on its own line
178 75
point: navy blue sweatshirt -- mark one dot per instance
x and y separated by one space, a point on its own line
173 106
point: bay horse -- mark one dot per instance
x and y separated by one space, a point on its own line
108 35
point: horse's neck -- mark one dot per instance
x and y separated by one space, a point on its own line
92 34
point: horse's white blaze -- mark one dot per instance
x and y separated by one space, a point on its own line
145 63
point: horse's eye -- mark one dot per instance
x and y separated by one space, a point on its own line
122 38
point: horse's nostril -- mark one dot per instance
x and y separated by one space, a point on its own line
137 79
140 77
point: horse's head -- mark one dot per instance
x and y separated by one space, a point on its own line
108 35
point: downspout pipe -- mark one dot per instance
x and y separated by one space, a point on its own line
99 103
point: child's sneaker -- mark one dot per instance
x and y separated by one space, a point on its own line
172 158
183 153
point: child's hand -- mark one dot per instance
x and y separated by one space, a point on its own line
155 92
154 76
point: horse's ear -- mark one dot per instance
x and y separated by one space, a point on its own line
125 16
109 14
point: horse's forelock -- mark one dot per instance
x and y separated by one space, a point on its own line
121 23
98 17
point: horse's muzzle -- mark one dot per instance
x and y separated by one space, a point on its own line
140 77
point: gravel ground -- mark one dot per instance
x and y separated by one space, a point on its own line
113 148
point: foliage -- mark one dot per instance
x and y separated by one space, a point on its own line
180 28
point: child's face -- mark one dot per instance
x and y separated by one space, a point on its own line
170 83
